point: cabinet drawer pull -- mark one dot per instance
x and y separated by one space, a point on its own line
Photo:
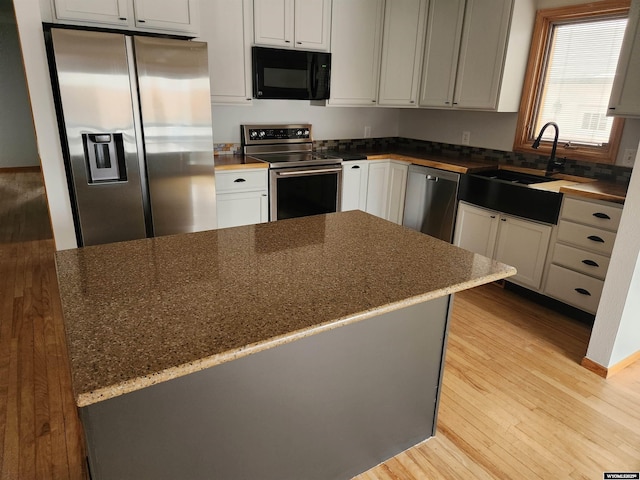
492 216
503 219
582 291
591 263
123 18
239 180
299 43
602 215
355 166
595 238
287 41
142 21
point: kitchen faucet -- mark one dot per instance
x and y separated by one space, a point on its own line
552 164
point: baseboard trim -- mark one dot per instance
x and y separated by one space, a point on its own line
20 169
606 372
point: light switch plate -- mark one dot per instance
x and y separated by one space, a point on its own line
466 137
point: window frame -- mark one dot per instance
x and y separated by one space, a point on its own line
542 31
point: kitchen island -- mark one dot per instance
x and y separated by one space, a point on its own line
303 348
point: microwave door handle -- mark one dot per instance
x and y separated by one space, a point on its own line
313 73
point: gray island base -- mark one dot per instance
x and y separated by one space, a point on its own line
309 348
328 406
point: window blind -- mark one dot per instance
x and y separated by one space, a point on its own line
581 66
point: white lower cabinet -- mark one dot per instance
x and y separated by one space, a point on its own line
242 197
580 252
476 229
508 239
355 177
386 188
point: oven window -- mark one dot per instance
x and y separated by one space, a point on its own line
285 78
307 195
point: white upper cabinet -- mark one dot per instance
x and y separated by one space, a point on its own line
625 94
304 24
442 45
402 47
312 28
168 15
163 16
476 54
485 33
112 12
356 36
273 22
228 33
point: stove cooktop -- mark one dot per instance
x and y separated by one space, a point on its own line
294 159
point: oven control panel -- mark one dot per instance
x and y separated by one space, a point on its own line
264 134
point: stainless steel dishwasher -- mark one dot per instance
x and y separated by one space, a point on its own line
431 201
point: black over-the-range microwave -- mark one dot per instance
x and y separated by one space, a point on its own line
290 74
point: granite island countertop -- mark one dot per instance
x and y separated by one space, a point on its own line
142 312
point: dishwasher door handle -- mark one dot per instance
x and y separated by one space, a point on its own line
431 178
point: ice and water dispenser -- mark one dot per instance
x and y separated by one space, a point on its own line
104 154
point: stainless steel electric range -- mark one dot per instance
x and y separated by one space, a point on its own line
301 182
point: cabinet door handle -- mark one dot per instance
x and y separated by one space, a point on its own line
503 219
492 216
287 41
602 215
591 263
355 166
123 18
299 43
142 21
595 238
239 180
582 291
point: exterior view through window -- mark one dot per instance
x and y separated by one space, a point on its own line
581 65
572 66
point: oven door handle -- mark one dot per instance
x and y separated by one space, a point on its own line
308 172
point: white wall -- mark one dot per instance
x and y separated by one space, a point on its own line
328 122
616 331
17 140
44 119
488 129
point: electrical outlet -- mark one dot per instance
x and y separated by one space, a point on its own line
629 157
367 132
466 137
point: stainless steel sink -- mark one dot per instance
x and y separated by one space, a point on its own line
509 192
515 177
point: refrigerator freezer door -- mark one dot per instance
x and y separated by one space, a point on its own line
95 95
175 104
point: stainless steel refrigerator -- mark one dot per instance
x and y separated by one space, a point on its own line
135 120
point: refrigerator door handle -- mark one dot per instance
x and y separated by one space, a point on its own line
137 128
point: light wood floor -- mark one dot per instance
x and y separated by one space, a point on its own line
515 402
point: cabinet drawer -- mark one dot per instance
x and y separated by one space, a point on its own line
591 238
590 263
590 213
241 180
574 288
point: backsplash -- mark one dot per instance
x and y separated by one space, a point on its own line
600 171
612 173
